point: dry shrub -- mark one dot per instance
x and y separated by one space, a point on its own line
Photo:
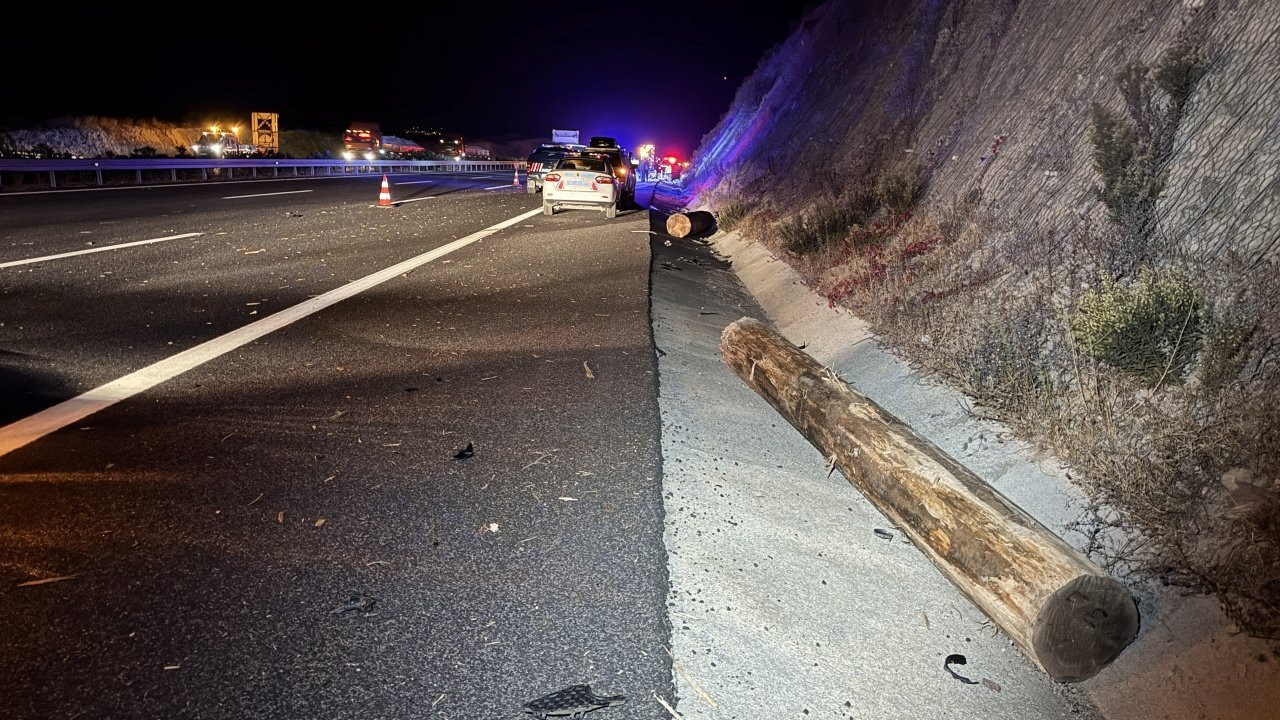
731 213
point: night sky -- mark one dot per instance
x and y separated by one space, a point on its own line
658 72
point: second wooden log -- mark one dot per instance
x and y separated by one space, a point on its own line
1063 611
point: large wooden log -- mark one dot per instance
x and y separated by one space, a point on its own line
1063 611
694 223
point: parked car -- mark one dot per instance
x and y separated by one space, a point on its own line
620 164
581 181
540 163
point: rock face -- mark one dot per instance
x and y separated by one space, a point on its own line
993 97
96 136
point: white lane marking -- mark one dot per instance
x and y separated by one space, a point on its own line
104 248
499 187
34 427
415 182
351 176
283 192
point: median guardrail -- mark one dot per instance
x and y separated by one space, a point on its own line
17 175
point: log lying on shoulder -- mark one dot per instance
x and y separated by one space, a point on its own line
695 223
1063 611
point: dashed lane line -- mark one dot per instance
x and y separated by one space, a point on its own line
104 248
34 427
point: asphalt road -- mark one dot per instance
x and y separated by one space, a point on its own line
212 527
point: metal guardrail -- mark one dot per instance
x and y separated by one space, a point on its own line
45 174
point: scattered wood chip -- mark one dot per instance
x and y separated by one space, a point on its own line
172 667
371 563
251 502
390 444
280 517
685 674
320 522
255 252
46 581
991 684
566 498
587 368
670 709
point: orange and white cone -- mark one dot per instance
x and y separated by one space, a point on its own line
384 197
515 177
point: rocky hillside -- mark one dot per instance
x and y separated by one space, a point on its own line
1069 210
98 136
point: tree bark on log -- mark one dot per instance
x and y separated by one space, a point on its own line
693 223
1063 611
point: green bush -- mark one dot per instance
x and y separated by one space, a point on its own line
1132 148
1151 329
1178 70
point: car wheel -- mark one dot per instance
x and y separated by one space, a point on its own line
611 211
531 187
547 209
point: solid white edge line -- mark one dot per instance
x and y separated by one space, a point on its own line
416 182
283 192
104 248
499 187
34 427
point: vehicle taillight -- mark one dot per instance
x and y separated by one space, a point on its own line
553 177
604 179
622 171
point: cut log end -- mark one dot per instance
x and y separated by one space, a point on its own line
1083 626
694 223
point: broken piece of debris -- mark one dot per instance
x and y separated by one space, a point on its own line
357 602
573 701
957 660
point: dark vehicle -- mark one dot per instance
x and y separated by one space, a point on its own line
540 163
620 165
600 141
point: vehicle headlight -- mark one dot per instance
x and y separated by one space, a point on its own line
369 156
348 155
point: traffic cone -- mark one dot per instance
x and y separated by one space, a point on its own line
515 177
384 197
